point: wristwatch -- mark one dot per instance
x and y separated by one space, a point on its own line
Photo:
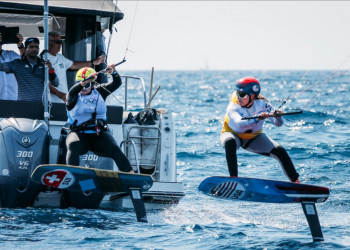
21 47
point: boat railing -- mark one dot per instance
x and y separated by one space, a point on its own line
142 139
135 152
126 90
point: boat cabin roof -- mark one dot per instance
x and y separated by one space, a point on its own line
105 8
79 22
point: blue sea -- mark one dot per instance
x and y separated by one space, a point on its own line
318 142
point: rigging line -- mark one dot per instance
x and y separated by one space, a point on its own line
103 4
285 101
333 75
314 96
329 79
132 26
100 85
300 131
321 82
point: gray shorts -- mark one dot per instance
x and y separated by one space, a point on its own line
260 144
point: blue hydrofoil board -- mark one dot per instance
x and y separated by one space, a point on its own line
260 190
90 179
270 191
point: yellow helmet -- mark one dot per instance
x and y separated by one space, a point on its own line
84 73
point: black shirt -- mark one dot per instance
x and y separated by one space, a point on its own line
30 79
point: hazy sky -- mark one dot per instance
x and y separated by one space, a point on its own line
242 35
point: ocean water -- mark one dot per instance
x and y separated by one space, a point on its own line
317 141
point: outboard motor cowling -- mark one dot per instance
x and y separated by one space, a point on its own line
24 144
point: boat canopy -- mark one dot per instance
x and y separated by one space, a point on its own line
81 24
102 8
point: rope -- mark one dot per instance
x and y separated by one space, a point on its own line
111 93
322 84
293 126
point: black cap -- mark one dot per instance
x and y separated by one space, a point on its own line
30 40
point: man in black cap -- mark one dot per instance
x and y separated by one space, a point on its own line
30 72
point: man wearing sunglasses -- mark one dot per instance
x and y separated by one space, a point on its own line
61 64
87 115
247 101
29 72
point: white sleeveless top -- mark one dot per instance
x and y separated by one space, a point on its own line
86 105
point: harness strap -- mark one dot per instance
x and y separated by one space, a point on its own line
90 125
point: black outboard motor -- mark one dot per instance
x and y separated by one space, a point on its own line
24 144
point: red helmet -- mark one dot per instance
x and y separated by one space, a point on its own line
249 85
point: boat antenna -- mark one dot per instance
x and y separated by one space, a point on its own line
46 85
131 29
111 29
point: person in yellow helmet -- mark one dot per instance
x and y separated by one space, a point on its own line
236 133
87 115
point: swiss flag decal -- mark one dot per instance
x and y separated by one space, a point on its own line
58 179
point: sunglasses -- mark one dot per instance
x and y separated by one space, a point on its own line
87 86
242 95
57 41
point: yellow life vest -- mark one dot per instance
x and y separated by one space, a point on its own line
226 127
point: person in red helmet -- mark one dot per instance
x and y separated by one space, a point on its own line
245 101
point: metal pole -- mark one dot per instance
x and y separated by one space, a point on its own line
46 82
126 94
150 89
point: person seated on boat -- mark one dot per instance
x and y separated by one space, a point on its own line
236 133
61 64
8 83
87 115
29 72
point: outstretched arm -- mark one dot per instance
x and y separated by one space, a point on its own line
236 123
80 64
6 67
107 88
72 96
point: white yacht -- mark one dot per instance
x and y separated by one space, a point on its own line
33 133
